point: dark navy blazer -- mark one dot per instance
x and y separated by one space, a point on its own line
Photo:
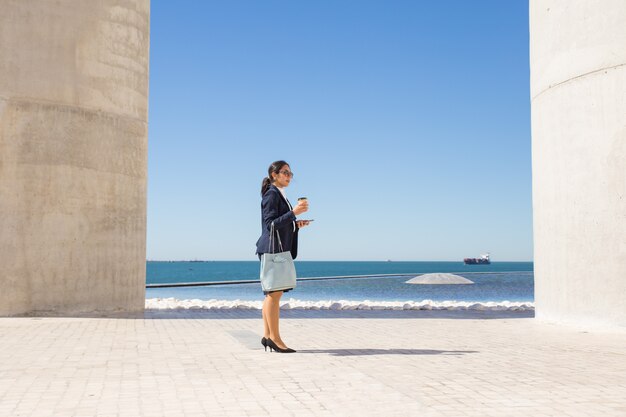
274 208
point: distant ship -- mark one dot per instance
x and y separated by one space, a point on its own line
483 260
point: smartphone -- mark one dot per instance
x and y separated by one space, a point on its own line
304 220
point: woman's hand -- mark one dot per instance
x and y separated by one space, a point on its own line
302 223
301 207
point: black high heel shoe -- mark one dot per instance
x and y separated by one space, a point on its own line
264 343
274 346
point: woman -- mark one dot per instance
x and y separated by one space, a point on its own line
276 208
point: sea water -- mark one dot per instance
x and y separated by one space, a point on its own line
500 285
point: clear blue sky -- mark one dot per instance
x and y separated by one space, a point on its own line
406 123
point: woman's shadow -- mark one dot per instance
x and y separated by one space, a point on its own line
369 352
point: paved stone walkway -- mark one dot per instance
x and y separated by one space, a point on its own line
384 363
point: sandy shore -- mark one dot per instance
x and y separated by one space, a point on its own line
188 363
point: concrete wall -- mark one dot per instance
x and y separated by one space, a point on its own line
578 91
73 153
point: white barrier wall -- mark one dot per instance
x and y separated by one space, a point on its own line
73 155
578 100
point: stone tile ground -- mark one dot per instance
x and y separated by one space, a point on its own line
349 363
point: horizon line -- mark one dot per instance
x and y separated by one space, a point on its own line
315 260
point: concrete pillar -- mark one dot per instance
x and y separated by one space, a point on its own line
73 153
578 93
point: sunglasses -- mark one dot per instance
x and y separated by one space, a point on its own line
286 173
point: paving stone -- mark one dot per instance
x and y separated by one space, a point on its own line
348 363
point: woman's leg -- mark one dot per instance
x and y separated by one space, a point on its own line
271 306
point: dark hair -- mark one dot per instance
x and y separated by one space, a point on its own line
275 168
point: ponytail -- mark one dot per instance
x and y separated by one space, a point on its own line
265 185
